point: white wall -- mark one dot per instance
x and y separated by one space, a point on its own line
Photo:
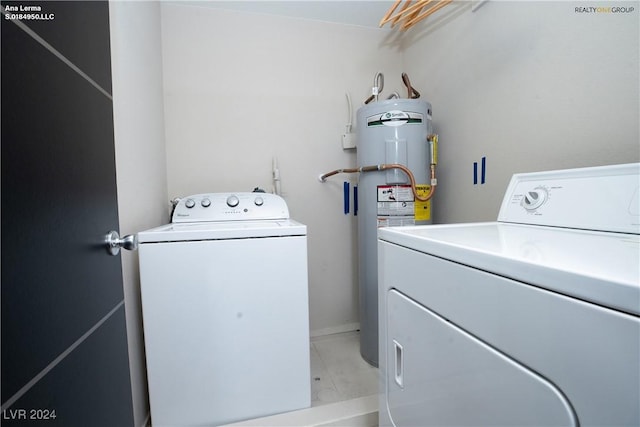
242 88
528 85
140 157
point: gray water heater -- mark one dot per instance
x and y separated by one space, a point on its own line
392 131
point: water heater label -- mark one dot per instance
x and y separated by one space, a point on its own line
397 205
394 118
394 193
423 209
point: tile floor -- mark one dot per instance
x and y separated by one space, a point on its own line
338 372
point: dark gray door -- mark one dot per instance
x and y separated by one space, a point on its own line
64 347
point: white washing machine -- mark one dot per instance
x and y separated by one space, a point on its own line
530 320
225 311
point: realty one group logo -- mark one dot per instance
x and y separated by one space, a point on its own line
605 9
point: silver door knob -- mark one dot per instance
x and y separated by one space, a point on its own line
114 242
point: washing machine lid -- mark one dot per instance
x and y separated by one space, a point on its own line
600 267
222 230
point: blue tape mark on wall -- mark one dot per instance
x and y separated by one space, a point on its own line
355 200
483 171
484 168
346 197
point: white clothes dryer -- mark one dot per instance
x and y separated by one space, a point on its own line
225 311
531 320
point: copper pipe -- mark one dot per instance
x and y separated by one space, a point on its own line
381 167
411 92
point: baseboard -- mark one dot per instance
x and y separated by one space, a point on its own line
369 419
360 412
349 327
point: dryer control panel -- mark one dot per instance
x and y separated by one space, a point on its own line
604 198
230 207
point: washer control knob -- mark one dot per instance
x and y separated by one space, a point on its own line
205 202
259 201
233 201
535 198
189 203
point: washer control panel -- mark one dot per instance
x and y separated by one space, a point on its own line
230 207
601 198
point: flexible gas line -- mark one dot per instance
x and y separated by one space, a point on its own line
433 147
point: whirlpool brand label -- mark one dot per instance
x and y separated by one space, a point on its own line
394 118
